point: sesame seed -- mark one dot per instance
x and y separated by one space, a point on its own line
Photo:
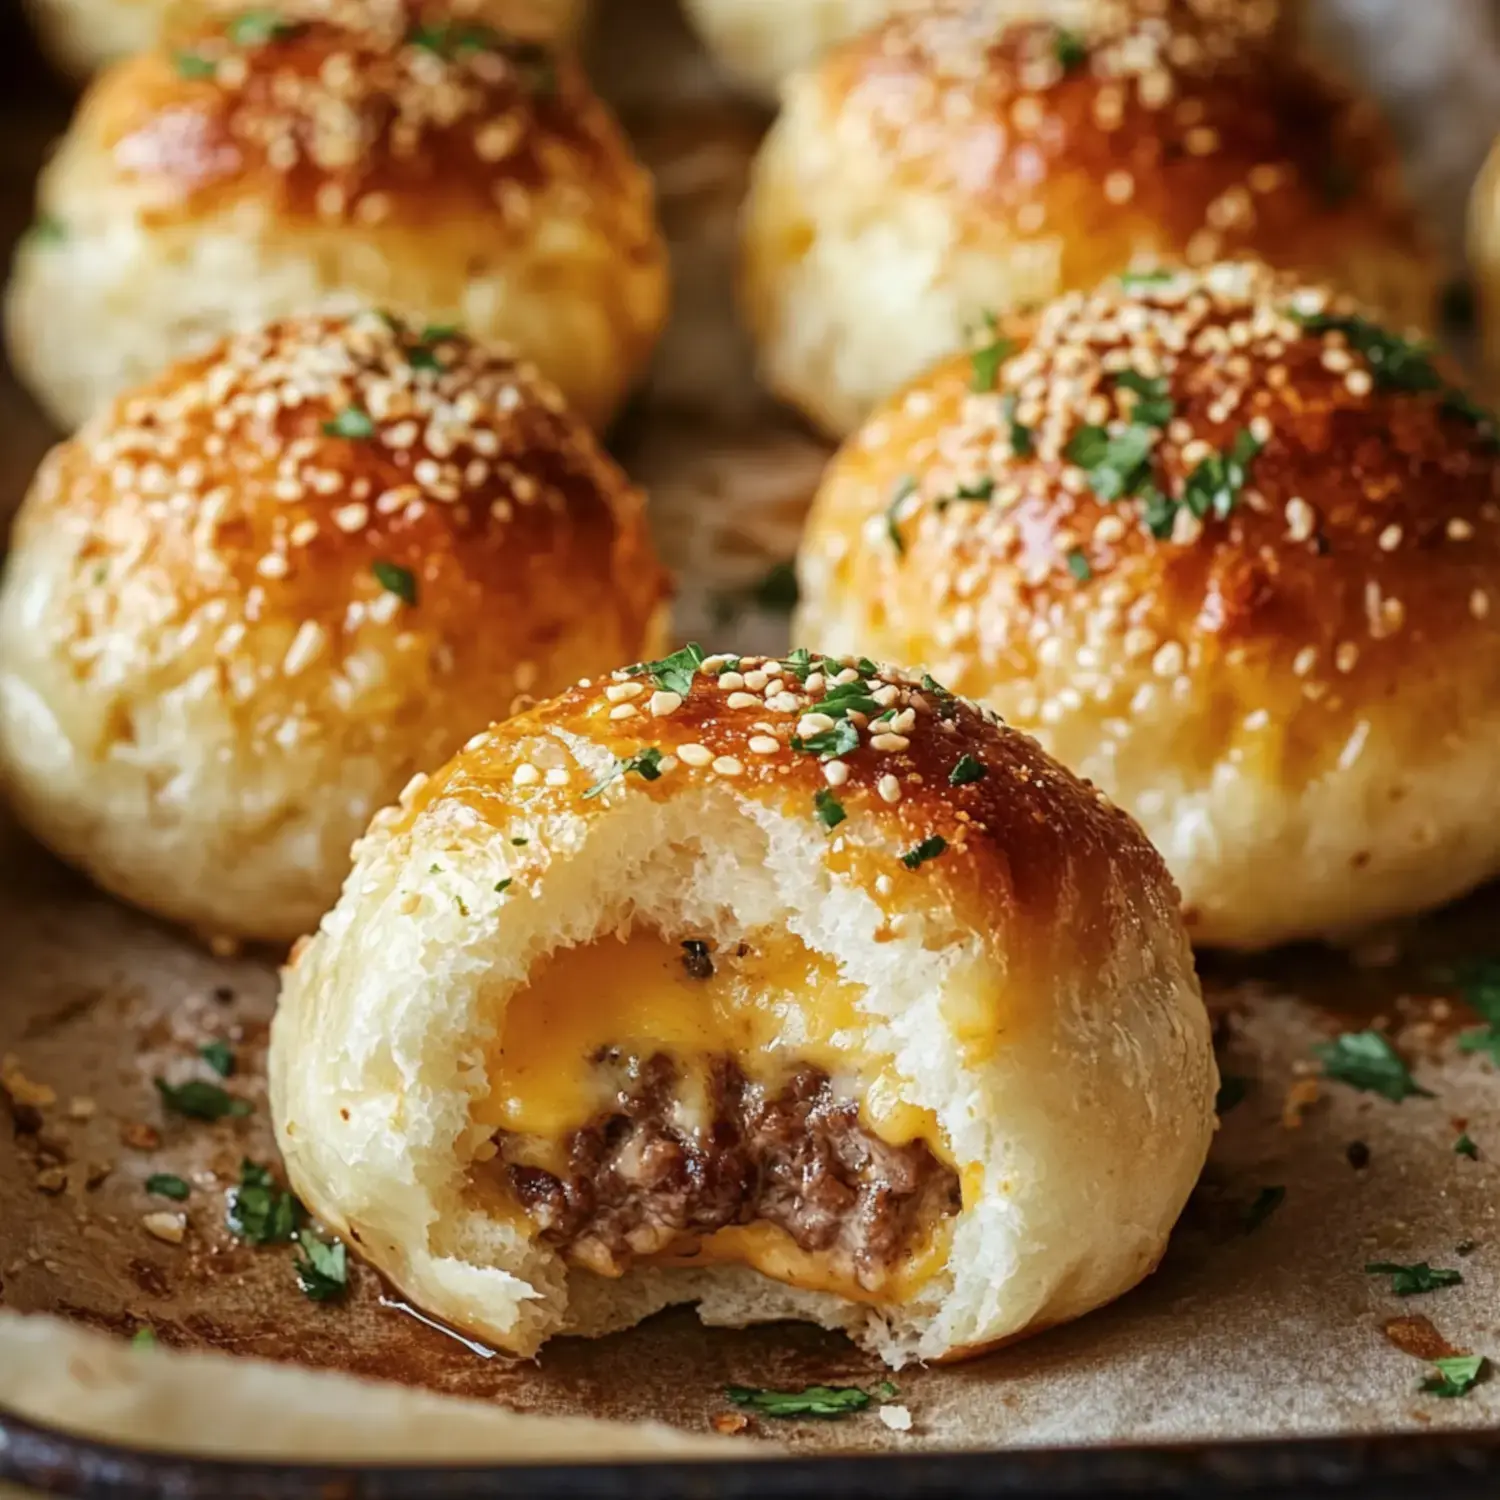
813 723
727 765
695 754
1345 657
764 744
526 774
742 700
1390 538
1479 604
170 1228
889 742
663 703
618 692
889 788
559 776
1304 661
624 711
835 773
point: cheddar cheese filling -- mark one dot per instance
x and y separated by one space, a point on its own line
680 1102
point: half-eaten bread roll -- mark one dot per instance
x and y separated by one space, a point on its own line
249 601
956 162
1228 547
788 988
266 165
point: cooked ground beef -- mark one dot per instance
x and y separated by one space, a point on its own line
638 1183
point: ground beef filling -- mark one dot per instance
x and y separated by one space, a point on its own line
643 1181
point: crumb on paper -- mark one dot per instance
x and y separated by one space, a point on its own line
167 1227
1418 1336
81 1108
52 1180
729 1423
897 1418
222 946
21 1089
140 1137
1300 1098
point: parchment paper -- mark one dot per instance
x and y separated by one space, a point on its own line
1270 1330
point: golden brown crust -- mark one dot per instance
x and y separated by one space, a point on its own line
324 465
1362 538
362 125
1158 122
912 783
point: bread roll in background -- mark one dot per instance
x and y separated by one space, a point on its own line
246 603
257 168
955 162
791 988
1229 549
82 35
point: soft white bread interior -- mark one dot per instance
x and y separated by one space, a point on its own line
268 164
938 1069
1228 546
246 603
956 162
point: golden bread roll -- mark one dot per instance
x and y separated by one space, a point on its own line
82 35
261 168
953 163
1229 549
1484 257
247 602
787 988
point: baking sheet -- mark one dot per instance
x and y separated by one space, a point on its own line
1272 1330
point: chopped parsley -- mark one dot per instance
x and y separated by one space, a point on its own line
168 1185
1215 484
259 1211
520 843
974 489
1156 276
219 1056
1155 408
1464 1146
1078 565
828 1402
200 1101
352 422
1397 363
1070 49
1232 1090
906 487
322 1269
646 764
929 848
1455 1376
395 580
674 673
830 743
985 361
1365 1060
1117 466
848 697
1262 1206
47 229
966 770
257 27
1021 443
144 1337
827 808
1407 1281
930 684
1479 986
503 885
194 65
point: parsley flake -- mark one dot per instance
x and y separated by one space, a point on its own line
828 1402
830 744
646 764
1154 408
974 489
351 423
1078 565
827 808
986 360
1022 445
1156 276
395 580
257 27
259 1211
1117 465
219 1056
143 1338
322 1269
501 885
1464 1146
1455 1376
906 487
967 770
47 229
929 848
200 1101
1070 49
1365 1060
674 673
168 1185
194 65
1397 363
1407 1281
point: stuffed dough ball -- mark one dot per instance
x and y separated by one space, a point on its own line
1228 546
82 35
793 989
262 167
249 601
955 163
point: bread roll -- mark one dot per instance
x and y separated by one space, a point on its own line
246 603
1229 549
793 989
258 169
952 164
1484 257
82 35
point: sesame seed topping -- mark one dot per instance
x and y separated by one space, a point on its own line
694 755
728 765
